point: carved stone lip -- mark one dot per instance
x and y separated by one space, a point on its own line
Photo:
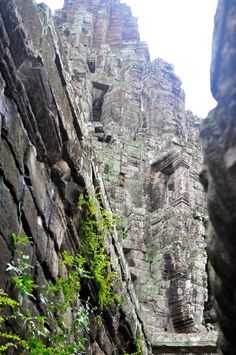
168 163
183 343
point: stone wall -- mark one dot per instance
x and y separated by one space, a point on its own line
45 167
84 111
218 136
149 156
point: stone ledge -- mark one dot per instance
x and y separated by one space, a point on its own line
183 343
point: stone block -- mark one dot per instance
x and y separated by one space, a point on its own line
4 260
52 259
11 172
9 222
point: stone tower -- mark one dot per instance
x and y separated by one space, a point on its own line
146 148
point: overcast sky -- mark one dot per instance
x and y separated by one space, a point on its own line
180 32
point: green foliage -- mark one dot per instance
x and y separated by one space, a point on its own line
59 298
151 255
11 340
138 345
18 239
22 280
6 301
97 225
25 284
66 292
58 332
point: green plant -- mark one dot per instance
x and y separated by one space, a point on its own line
66 293
6 301
151 255
8 310
59 298
13 340
20 267
50 333
97 224
138 345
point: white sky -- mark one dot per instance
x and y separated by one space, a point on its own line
180 32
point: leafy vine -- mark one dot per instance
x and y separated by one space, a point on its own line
49 332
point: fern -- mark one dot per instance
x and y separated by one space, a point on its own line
97 225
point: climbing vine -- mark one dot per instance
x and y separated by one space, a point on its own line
97 224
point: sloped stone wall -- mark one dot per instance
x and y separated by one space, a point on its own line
218 136
45 167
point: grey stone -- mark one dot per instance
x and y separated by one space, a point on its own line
82 109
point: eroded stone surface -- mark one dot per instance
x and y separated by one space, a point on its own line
218 136
88 109
184 343
146 149
46 165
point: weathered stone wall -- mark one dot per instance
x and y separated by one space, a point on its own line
82 110
45 167
148 153
218 136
